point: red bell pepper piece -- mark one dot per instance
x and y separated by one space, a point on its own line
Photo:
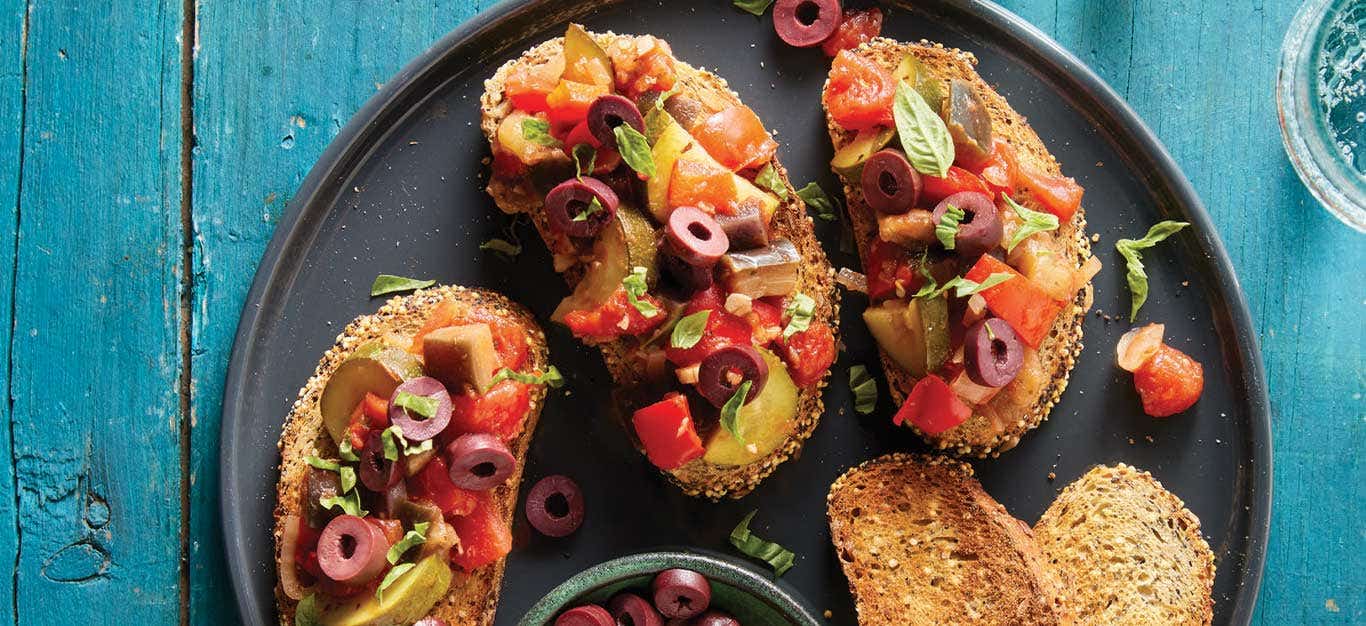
433 483
1018 301
933 189
1169 382
932 407
484 536
1059 195
666 430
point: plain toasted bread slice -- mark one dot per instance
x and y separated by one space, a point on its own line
473 596
1129 551
1020 406
922 543
816 278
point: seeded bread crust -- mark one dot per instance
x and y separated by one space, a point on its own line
1129 550
816 278
473 597
921 543
1021 406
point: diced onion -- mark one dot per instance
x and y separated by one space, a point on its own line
1138 345
1085 273
285 562
688 375
739 304
971 392
977 309
851 280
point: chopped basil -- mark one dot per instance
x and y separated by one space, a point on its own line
800 310
593 207
585 159
349 503
347 477
1129 249
537 130
387 283
307 612
389 579
779 558
634 149
415 537
422 405
551 377
947 228
688 331
1032 222
753 7
864 388
322 464
962 287
414 450
730 411
768 179
502 246
636 286
815 197
346 452
391 438
924 137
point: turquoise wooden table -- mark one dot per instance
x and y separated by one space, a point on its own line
150 147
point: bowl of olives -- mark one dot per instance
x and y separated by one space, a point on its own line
667 589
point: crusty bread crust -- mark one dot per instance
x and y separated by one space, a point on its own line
816 278
1129 550
1024 404
921 543
473 597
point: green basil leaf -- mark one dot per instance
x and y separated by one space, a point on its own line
502 246
864 388
730 411
768 179
924 136
392 440
799 311
593 207
393 575
1133 260
322 464
346 452
634 149
421 405
551 377
688 331
414 450
585 159
307 612
815 197
413 538
537 131
1031 222
347 477
947 228
386 283
779 558
636 287
966 287
753 7
349 502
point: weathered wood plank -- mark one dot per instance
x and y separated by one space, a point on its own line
95 353
11 125
1202 75
307 69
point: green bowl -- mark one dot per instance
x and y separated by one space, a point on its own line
752 597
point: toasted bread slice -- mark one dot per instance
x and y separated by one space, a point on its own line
1128 550
816 278
473 596
922 543
997 425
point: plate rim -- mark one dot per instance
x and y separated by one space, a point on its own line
1037 51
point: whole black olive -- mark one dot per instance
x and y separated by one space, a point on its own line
889 184
980 228
376 472
554 506
992 353
570 209
726 368
610 111
681 593
479 461
805 23
695 237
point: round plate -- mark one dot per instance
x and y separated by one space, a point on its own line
400 191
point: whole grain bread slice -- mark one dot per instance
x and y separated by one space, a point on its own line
1022 405
921 543
473 596
1129 551
816 277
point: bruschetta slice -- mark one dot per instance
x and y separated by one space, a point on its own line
691 259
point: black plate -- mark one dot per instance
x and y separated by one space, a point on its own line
400 191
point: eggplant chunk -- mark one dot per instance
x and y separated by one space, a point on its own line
319 484
969 122
461 356
767 271
688 111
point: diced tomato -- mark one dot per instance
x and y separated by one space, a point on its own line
500 411
1000 170
306 550
889 265
376 410
484 536
933 189
1018 301
434 484
1169 382
809 353
736 138
643 63
1059 195
701 183
393 529
723 329
358 428
568 103
666 430
932 407
764 316
509 338
528 84
856 27
615 318
712 297
859 93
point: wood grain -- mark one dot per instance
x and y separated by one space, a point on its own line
95 349
11 123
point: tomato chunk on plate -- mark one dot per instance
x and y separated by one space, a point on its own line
1170 382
